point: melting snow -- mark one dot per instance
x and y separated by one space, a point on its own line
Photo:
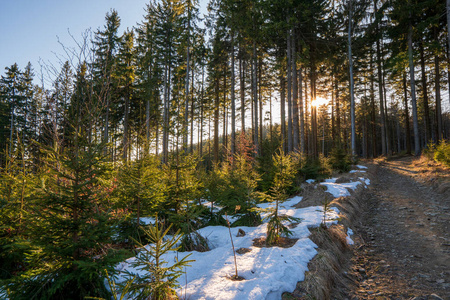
268 272
348 238
357 171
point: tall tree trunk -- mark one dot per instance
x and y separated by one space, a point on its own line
413 93
233 105
242 91
283 110
426 109
437 88
261 116
313 110
126 128
295 121
302 120
192 110
338 113
289 89
216 121
186 100
147 127
448 44
373 109
352 94
255 97
386 115
201 112
407 125
307 117
380 86
225 113
165 128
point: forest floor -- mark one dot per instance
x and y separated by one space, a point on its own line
402 239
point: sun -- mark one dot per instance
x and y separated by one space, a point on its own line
319 101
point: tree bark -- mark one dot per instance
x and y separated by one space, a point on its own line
233 105
255 97
352 94
426 109
289 90
295 121
413 93
242 91
380 86
437 88
407 125
283 111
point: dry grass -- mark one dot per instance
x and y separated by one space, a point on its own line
324 268
283 242
313 195
333 251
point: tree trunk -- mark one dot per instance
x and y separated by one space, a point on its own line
302 120
186 100
352 95
216 122
295 121
380 87
448 39
373 109
255 97
437 87
338 113
426 109
283 111
289 89
165 128
192 110
242 92
413 93
233 105
201 113
407 125
126 128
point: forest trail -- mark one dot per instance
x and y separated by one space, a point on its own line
403 238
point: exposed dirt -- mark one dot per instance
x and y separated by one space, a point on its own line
402 240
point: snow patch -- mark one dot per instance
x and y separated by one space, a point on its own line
357 171
340 189
268 272
348 238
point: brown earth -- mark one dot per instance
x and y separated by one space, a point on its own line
402 238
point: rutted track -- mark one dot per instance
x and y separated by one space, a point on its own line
402 239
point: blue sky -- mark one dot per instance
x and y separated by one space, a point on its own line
29 28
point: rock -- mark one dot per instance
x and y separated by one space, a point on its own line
240 233
243 250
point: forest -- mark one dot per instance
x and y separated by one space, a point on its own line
237 107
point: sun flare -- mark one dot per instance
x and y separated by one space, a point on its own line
320 101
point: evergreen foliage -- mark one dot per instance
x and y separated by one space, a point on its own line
283 179
159 277
442 153
139 192
70 227
340 160
239 192
15 185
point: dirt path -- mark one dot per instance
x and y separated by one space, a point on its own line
402 240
